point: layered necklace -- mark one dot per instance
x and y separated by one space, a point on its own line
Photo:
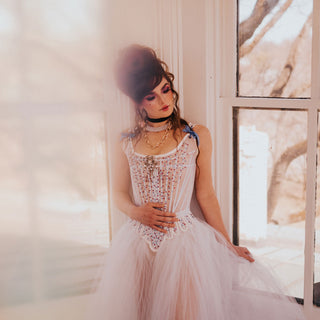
166 128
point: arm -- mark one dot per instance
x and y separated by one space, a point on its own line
205 193
148 214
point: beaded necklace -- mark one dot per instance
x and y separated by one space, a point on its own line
166 127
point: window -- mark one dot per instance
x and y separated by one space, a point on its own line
54 223
268 117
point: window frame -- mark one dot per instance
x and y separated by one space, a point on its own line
224 63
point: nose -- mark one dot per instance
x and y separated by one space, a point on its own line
161 100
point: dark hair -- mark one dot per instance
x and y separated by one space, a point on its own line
138 71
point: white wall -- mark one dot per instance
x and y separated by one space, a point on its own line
194 77
176 30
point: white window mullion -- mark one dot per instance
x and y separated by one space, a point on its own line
225 71
271 103
312 312
310 208
213 38
228 44
315 74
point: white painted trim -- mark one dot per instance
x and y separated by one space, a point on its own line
315 74
179 55
272 102
169 40
225 70
212 24
310 207
228 44
225 73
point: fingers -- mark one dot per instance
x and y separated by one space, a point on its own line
163 216
166 215
247 254
159 229
156 205
163 224
248 257
243 252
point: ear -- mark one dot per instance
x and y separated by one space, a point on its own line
143 112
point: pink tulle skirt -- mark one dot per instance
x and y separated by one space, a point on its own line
193 276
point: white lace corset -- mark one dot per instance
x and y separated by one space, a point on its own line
166 178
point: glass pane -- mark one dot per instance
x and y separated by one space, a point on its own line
54 224
53 52
10 76
316 287
271 189
274 57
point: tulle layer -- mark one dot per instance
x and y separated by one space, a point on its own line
193 276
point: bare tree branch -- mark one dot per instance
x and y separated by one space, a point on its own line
249 26
279 171
245 49
286 72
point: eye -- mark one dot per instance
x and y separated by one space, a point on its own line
166 89
149 98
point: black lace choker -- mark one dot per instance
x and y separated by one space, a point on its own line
158 119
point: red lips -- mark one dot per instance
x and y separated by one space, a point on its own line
165 108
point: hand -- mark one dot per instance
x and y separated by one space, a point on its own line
243 252
151 215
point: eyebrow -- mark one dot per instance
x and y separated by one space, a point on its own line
151 92
167 83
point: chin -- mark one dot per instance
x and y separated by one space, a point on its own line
167 113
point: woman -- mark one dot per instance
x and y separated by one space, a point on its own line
165 263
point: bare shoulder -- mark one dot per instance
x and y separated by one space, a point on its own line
203 133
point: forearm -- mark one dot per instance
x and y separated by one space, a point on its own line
124 203
212 213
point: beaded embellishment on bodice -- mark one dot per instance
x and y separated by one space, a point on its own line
167 179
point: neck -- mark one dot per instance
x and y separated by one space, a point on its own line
165 126
157 122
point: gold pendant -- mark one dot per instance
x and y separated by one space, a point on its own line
150 164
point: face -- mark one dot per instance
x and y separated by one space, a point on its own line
159 102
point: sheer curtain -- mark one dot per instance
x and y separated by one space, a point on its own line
54 186
60 118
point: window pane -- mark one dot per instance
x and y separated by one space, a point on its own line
274 57
54 223
316 290
53 52
10 77
271 174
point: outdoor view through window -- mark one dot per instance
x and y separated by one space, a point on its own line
54 200
274 61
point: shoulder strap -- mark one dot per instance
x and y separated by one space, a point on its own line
128 134
189 129
125 141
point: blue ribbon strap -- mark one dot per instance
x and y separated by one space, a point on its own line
192 134
127 135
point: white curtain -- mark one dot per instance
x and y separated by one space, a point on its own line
60 117
54 208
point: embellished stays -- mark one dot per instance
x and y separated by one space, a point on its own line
167 179
154 238
150 164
